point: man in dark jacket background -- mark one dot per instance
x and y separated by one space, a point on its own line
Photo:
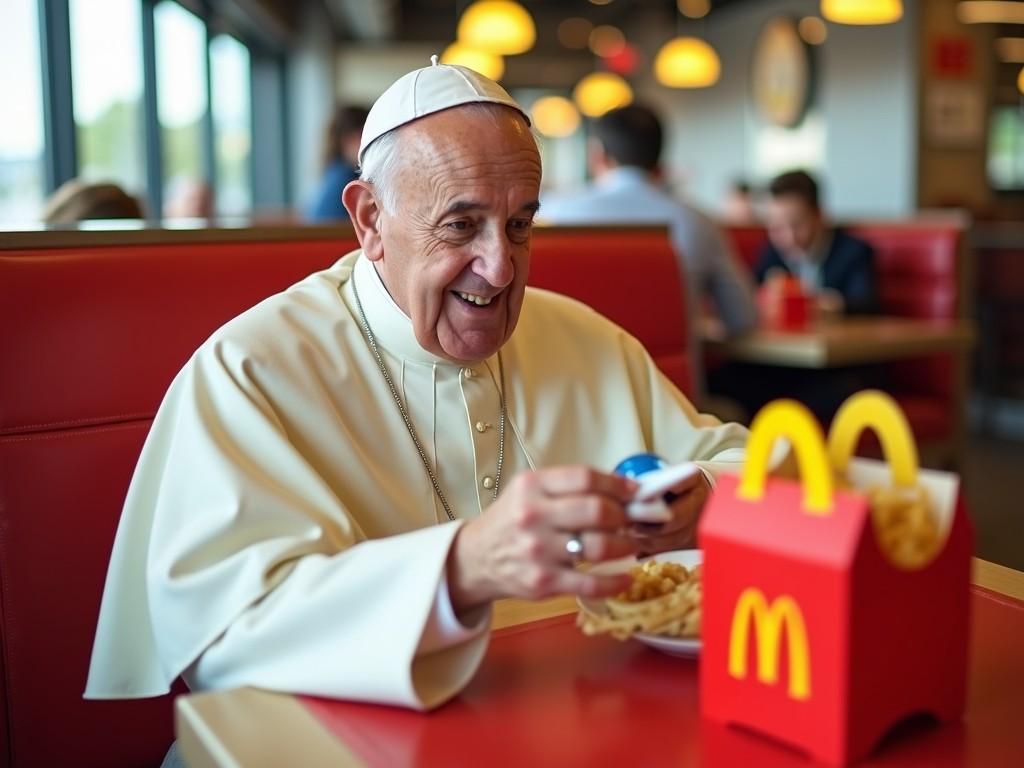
830 263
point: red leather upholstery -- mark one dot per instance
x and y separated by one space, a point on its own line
630 276
91 339
919 275
747 240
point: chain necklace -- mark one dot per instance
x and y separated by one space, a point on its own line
372 342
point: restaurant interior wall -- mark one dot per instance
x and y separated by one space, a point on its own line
952 170
866 100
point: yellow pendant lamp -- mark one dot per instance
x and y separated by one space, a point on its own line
687 62
554 116
497 26
1020 81
487 64
862 11
601 92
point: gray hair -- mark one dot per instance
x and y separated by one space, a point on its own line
382 158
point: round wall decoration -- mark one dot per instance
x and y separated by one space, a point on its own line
782 73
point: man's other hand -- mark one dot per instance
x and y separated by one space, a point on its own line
681 531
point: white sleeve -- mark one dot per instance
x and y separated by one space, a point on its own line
248 569
373 623
444 629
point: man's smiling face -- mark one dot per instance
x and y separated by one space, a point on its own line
456 252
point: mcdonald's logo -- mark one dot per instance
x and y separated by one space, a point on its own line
768 623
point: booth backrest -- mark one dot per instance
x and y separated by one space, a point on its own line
631 276
921 273
747 240
91 337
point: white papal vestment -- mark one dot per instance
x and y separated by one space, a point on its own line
280 530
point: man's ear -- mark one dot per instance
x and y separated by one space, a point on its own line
365 213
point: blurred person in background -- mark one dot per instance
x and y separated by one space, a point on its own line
340 163
623 157
190 198
835 270
739 207
76 200
830 264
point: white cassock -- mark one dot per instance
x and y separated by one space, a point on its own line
281 531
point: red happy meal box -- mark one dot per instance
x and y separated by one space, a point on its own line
812 634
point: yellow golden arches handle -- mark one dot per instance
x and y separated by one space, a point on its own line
877 410
788 418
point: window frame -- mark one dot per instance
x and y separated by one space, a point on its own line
269 171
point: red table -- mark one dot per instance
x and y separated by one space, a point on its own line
548 696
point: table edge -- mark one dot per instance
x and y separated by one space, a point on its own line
202 743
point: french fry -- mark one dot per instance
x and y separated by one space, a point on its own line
905 524
664 599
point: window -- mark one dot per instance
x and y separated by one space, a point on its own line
181 107
1006 148
106 68
21 89
230 98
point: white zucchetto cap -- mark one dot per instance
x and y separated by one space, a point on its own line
425 91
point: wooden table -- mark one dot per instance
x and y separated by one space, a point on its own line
846 341
547 696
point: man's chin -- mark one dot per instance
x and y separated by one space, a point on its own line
471 350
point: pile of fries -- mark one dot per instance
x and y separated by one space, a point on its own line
905 521
664 599
905 524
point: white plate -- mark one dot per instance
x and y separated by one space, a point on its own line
674 646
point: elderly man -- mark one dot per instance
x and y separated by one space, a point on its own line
343 478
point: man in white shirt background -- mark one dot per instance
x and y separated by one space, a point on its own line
624 156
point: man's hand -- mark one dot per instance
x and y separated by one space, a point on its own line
681 531
517 547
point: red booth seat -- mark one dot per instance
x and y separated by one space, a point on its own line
630 275
92 336
91 339
921 273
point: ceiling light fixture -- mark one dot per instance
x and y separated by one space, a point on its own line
555 116
694 9
812 30
687 62
487 64
497 26
606 40
862 12
601 92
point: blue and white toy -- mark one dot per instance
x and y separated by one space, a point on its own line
657 481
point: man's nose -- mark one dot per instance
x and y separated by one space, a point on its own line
494 260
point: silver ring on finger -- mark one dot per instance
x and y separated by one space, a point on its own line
574 548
